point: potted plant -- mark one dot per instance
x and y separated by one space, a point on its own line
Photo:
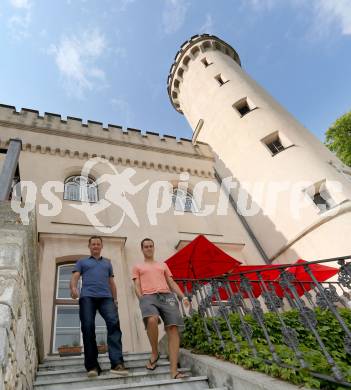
70 350
102 346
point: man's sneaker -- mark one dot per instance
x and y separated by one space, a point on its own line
93 373
119 369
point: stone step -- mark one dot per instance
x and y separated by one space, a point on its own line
54 375
103 380
130 361
193 383
104 366
126 356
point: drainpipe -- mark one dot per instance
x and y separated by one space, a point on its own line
243 221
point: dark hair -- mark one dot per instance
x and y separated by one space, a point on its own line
146 239
95 238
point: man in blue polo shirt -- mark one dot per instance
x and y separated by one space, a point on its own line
98 292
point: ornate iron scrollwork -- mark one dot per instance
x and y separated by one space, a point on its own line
308 317
330 295
290 337
347 344
246 330
344 276
271 300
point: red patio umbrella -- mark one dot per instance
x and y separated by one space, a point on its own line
200 259
269 275
320 272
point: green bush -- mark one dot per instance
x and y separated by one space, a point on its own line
329 329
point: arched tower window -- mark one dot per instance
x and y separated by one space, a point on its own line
183 201
81 188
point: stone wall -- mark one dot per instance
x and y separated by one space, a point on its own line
20 321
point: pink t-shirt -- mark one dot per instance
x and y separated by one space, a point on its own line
152 276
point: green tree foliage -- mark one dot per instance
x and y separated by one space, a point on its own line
338 138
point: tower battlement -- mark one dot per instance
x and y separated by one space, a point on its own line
52 123
188 51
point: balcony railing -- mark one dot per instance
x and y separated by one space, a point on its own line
232 307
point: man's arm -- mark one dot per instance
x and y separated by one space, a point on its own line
137 287
176 289
73 284
113 287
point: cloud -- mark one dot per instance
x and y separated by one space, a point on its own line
327 14
123 4
331 12
123 109
19 22
76 58
21 4
174 14
260 4
207 27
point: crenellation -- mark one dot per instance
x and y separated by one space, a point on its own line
114 127
52 123
49 115
152 133
95 123
135 130
72 118
25 110
6 106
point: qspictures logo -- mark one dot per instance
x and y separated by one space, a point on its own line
122 187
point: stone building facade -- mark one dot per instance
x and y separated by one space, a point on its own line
236 124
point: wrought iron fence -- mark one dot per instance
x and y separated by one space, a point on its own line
251 294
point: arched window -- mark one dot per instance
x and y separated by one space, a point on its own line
66 313
81 188
183 201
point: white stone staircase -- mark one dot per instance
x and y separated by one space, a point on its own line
57 373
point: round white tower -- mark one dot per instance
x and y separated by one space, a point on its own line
265 149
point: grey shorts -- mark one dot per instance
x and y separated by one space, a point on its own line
164 305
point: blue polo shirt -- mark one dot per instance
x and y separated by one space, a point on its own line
95 276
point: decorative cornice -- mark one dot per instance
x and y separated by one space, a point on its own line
76 154
189 51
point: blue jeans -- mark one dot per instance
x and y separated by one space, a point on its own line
87 312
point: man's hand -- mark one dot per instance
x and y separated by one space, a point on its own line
186 302
74 293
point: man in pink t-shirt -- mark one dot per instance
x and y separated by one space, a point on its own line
155 288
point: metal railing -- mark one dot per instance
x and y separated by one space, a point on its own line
8 177
298 288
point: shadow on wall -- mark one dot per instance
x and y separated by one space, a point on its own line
270 239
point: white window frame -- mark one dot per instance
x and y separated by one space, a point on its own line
69 305
97 327
81 192
54 349
58 281
179 202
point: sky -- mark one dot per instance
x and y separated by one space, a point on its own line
108 60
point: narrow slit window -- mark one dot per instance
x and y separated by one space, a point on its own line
220 80
205 62
243 106
275 146
323 200
321 196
